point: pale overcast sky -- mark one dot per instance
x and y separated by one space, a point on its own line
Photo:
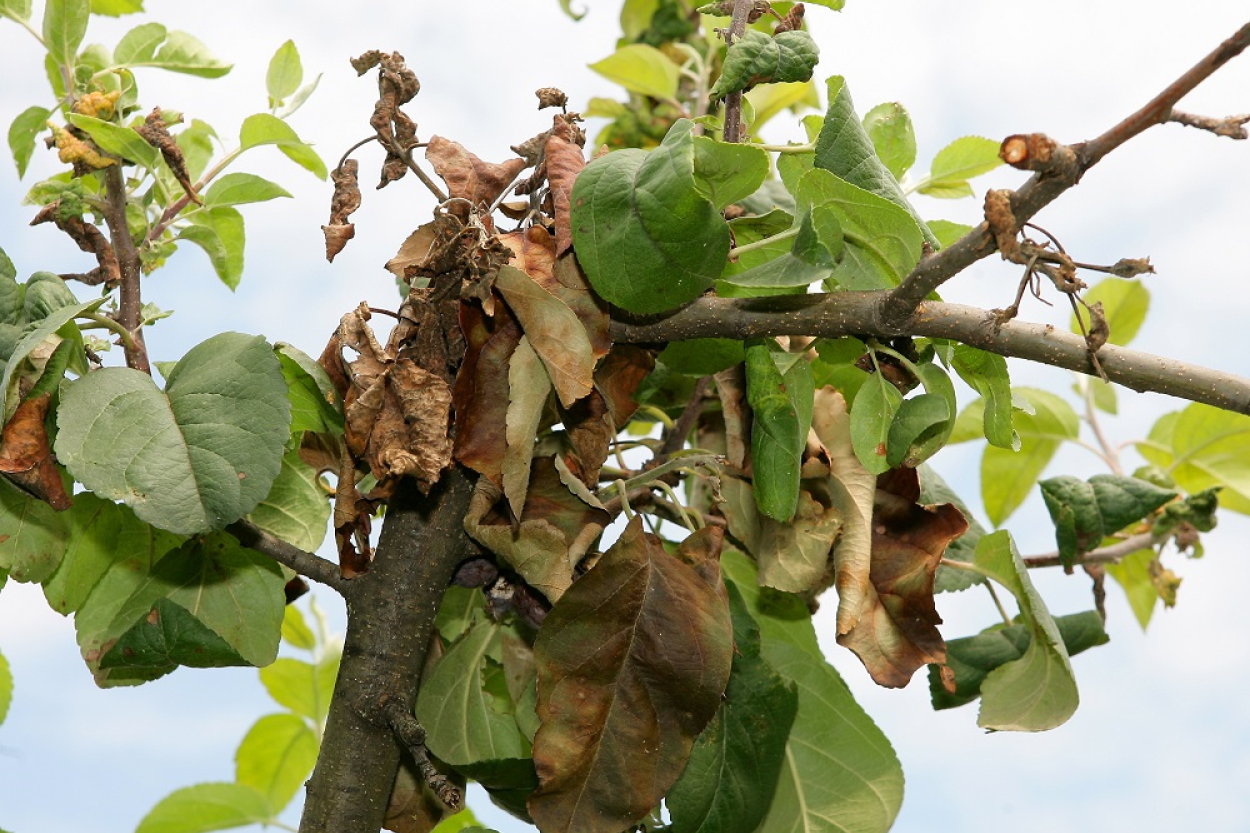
1161 740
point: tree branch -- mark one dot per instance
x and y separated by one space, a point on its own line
305 563
1053 175
391 612
130 304
733 101
1110 554
833 315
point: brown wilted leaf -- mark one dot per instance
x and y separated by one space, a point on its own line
155 131
555 332
618 377
794 556
90 239
564 162
345 200
632 662
731 387
590 430
552 535
574 290
551 97
480 393
353 521
467 176
533 252
896 631
397 85
25 456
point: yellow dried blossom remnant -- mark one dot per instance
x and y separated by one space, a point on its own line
76 151
98 105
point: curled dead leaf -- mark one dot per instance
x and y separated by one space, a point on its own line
26 458
565 161
467 176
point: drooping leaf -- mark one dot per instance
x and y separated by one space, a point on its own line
777 433
1086 512
219 232
33 535
464 721
845 149
528 390
1037 691
193 458
957 163
840 774
25 454
1132 573
728 172
118 140
933 489
895 630
986 373
296 508
275 758
641 69
733 769
22 132
315 404
1202 447
264 129
648 240
972 658
50 321
890 130
632 663
876 406
1124 303
205 807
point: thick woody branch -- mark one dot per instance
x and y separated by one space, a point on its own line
130 303
861 313
1059 171
305 563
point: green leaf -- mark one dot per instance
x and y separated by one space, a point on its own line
463 721
295 631
641 69
241 188
1132 573
296 508
732 773
22 132
205 807
64 26
52 321
958 162
840 774
1038 691
771 99
726 173
647 239
1124 303
566 6
285 73
882 242
118 140
181 52
315 404
1086 512
893 138
139 44
844 148
947 232
18 10
919 420
1007 477
264 129
933 490
757 58
234 595
116 8
1202 447
169 635
986 373
293 684
219 232
6 688
194 458
818 243
971 659
276 756
32 535
872 415
778 435
702 356
632 662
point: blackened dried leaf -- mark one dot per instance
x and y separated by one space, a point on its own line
632 663
89 239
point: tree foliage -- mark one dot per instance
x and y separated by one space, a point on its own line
732 351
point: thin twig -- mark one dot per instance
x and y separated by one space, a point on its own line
1110 554
733 101
1234 127
412 735
676 436
305 563
1047 184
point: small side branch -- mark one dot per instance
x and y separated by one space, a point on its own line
412 735
1061 170
1110 554
305 563
1234 127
